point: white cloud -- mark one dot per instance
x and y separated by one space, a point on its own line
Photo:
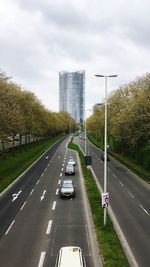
39 38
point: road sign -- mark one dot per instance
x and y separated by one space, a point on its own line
105 200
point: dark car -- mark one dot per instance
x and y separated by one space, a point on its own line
67 189
103 156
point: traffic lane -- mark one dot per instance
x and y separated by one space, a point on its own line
69 224
133 184
133 220
25 184
30 224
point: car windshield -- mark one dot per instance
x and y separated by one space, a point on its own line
67 185
67 182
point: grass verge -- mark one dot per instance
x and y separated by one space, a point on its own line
109 244
14 165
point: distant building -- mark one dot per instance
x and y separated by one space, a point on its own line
97 106
72 94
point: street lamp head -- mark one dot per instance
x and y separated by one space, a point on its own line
110 76
98 75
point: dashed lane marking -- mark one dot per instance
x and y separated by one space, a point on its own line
121 183
57 190
130 194
60 174
9 227
49 227
31 191
23 205
144 209
54 205
42 258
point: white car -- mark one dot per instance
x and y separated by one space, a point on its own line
71 162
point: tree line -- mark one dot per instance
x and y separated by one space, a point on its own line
22 113
128 120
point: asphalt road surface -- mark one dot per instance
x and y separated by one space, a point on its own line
35 223
129 200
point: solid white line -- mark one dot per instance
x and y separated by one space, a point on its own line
23 205
144 209
54 205
42 257
9 227
59 181
57 190
60 174
130 194
114 175
49 227
37 182
31 191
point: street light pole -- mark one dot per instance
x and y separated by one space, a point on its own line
105 140
85 134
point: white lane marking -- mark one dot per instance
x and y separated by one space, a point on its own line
42 258
144 209
42 174
45 169
59 181
54 205
49 227
62 169
37 182
57 190
9 227
59 157
42 197
60 174
114 175
63 164
130 194
23 205
15 196
121 183
64 161
31 191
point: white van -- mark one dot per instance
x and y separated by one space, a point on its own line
70 256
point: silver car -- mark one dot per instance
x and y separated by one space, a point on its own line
67 189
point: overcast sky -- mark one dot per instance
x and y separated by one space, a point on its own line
40 38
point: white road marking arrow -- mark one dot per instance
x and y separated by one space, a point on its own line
42 197
15 196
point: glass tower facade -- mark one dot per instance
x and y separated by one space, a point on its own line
72 94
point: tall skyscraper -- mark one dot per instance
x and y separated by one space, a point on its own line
71 94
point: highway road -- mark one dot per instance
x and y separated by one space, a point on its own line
36 223
129 200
